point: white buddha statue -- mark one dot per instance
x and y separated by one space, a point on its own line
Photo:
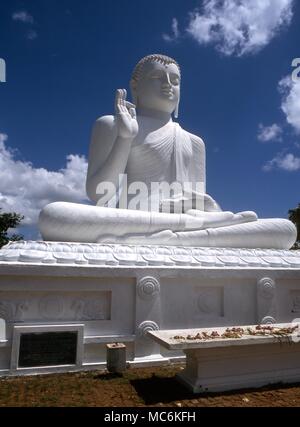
136 156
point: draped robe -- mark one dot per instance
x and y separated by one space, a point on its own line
169 155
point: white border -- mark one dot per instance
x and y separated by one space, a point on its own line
18 330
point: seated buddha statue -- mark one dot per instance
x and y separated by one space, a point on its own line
146 175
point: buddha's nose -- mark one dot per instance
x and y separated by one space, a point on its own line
167 81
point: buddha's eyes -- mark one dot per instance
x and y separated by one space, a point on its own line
174 78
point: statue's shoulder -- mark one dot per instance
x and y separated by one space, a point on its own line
196 140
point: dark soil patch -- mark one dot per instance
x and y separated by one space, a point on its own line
136 388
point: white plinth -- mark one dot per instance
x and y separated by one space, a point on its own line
119 292
228 364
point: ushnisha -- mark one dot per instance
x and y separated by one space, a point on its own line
142 143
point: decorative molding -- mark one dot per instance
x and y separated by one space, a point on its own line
7 310
22 308
82 309
266 301
56 306
268 320
98 254
78 306
148 288
51 307
13 310
94 310
266 288
146 326
210 301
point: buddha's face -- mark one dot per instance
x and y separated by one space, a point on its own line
158 87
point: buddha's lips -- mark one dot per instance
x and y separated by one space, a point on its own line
167 92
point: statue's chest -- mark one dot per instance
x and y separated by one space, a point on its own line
161 147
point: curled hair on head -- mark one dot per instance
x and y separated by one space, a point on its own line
163 59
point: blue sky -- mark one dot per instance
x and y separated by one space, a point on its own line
66 58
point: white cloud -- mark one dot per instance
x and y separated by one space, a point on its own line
175 32
23 16
26 18
239 27
287 162
290 104
269 133
3 138
26 190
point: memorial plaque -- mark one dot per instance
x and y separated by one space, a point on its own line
47 349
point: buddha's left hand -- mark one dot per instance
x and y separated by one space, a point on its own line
189 200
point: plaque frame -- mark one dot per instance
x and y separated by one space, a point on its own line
31 329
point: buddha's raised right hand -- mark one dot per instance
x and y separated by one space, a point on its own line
125 116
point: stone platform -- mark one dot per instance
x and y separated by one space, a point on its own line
94 294
247 360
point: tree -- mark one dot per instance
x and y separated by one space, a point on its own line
7 221
294 216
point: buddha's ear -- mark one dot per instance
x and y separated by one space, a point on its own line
176 112
133 88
